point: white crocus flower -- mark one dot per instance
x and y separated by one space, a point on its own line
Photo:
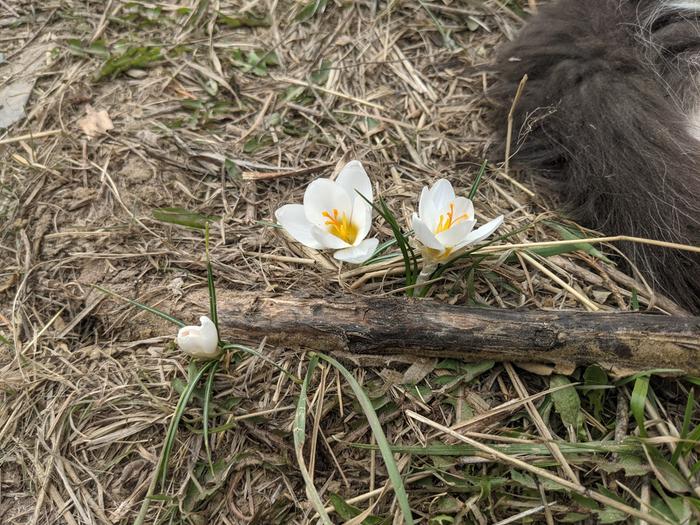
334 216
199 341
445 223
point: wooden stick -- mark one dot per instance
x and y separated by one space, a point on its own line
397 325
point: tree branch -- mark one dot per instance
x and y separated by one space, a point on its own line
394 325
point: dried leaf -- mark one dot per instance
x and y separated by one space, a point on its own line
95 123
18 78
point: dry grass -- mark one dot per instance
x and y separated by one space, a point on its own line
211 124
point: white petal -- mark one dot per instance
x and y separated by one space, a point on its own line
362 218
293 219
456 234
422 201
442 194
426 209
353 178
424 235
327 239
358 254
463 206
324 195
199 341
481 233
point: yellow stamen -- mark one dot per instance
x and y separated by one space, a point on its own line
445 224
340 226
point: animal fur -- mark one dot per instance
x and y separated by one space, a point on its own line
611 112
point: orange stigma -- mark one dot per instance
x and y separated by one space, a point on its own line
340 226
446 223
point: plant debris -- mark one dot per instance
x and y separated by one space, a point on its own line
89 383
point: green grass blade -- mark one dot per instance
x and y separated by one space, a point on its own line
653 371
381 257
549 251
634 300
477 181
183 217
410 260
162 471
447 40
379 436
629 446
210 282
570 234
299 434
142 306
681 448
691 441
205 414
377 255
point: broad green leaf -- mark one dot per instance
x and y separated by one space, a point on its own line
183 217
638 400
131 58
666 473
573 517
595 376
311 8
609 515
566 400
96 49
348 512
255 144
320 76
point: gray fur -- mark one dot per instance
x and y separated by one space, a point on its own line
609 114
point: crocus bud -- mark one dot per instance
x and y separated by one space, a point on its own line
199 341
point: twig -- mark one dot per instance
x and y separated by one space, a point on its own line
509 131
263 175
30 136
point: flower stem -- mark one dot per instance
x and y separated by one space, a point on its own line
429 266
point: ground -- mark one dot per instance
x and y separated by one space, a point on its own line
220 112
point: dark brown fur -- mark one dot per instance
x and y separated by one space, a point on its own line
605 114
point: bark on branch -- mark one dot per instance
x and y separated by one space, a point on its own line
393 325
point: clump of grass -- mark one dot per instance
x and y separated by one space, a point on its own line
208 370
133 57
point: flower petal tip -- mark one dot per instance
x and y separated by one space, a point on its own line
358 254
